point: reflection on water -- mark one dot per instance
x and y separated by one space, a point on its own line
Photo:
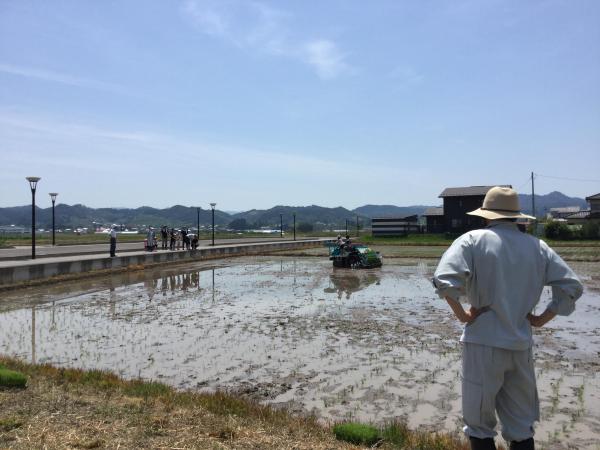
371 345
33 335
346 282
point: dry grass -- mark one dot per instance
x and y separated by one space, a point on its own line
64 408
68 408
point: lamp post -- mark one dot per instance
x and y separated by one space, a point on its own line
212 206
198 222
280 225
294 226
53 197
33 181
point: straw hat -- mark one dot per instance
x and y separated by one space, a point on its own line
500 203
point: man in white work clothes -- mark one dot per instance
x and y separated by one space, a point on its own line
501 271
113 241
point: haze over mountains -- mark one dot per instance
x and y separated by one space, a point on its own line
81 216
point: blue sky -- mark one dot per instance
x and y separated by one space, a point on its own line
251 104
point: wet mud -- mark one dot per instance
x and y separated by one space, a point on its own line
370 345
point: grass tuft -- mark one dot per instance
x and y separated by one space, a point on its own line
9 423
146 389
397 434
357 433
12 379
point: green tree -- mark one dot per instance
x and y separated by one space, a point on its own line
305 227
239 224
558 230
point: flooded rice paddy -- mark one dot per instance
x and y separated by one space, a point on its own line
370 345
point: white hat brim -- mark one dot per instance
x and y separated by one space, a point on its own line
490 214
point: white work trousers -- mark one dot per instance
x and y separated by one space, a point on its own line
503 381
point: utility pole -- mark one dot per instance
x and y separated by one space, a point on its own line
533 205
357 226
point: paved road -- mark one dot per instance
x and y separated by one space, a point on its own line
45 251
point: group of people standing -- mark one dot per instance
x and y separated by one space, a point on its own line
173 239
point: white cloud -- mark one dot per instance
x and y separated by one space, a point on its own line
245 24
258 27
326 58
70 130
55 77
142 148
95 164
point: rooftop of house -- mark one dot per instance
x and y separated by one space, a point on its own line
579 215
593 197
412 217
566 209
469 190
434 211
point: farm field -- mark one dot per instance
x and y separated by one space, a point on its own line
294 333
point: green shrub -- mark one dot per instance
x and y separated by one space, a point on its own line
12 379
590 230
357 433
558 230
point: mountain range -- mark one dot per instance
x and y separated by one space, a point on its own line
82 216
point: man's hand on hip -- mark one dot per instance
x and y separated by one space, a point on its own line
462 315
542 319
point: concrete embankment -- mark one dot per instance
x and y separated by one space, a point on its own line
16 273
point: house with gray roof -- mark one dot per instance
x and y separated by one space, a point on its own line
594 201
592 214
562 212
434 219
458 201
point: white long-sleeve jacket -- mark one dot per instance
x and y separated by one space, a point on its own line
504 270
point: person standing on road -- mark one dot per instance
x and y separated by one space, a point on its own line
150 239
173 236
113 241
502 272
164 235
184 241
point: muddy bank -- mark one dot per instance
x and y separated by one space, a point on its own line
371 345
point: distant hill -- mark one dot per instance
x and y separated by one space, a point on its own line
311 214
82 216
554 199
75 216
389 210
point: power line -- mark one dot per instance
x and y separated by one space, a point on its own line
568 179
527 181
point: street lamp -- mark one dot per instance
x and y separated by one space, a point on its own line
53 197
294 226
33 181
212 206
198 223
280 225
